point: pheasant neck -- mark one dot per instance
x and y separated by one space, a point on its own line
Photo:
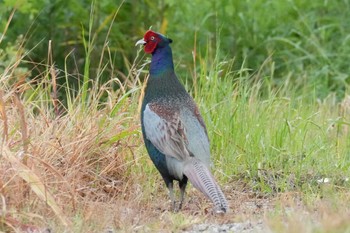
162 61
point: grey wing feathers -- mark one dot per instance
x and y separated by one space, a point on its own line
201 178
168 136
198 142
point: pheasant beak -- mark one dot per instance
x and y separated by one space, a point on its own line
142 41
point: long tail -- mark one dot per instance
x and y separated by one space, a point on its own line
201 178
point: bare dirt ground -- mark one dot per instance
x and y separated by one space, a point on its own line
247 213
250 212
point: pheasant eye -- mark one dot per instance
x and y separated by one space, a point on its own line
152 38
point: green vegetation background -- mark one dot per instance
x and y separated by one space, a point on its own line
308 42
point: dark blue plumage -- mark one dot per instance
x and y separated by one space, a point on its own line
173 129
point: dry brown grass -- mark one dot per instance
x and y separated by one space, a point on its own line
70 157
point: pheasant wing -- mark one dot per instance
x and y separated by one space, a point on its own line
165 130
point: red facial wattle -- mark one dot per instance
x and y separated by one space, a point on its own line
151 40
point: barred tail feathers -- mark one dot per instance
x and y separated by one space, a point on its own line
201 178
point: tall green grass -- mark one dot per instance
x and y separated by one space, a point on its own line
275 138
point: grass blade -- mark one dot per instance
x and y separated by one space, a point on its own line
35 184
